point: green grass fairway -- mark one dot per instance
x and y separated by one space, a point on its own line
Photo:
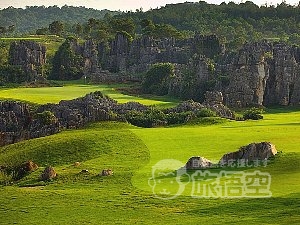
213 142
55 94
131 152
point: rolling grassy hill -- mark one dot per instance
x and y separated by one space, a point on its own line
125 198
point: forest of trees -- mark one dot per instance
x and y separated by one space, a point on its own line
233 23
36 17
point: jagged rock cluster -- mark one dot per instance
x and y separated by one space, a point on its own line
30 56
258 74
198 162
213 101
263 74
18 123
246 154
250 153
80 111
128 58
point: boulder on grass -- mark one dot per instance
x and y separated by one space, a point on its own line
250 153
76 164
198 162
49 173
30 166
107 172
25 168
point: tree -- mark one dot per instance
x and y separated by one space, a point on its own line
147 26
2 30
78 29
41 31
56 27
123 24
67 65
156 78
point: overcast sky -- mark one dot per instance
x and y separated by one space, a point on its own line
118 4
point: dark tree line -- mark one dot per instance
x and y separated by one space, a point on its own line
233 23
36 17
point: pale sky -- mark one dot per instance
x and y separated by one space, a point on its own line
119 4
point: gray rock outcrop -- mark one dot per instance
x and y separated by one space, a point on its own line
254 151
258 74
17 123
198 162
30 56
48 174
214 101
185 106
128 57
80 111
262 74
106 172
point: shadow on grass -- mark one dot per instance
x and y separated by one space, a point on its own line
287 162
264 125
274 210
281 109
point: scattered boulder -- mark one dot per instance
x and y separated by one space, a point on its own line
49 173
198 162
251 152
29 166
84 171
24 169
214 102
76 164
107 172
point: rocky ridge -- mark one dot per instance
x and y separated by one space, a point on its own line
261 73
18 122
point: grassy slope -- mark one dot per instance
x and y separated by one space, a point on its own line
125 198
212 142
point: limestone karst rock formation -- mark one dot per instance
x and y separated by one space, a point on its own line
263 74
30 56
198 162
260 73
249 153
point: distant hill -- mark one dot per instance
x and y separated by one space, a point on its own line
34 17
234 23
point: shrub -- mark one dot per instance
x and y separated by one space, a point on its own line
179 118
155 117
206 113
149 118
253 114
46 117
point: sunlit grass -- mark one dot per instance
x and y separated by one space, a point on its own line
131 152
55 94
